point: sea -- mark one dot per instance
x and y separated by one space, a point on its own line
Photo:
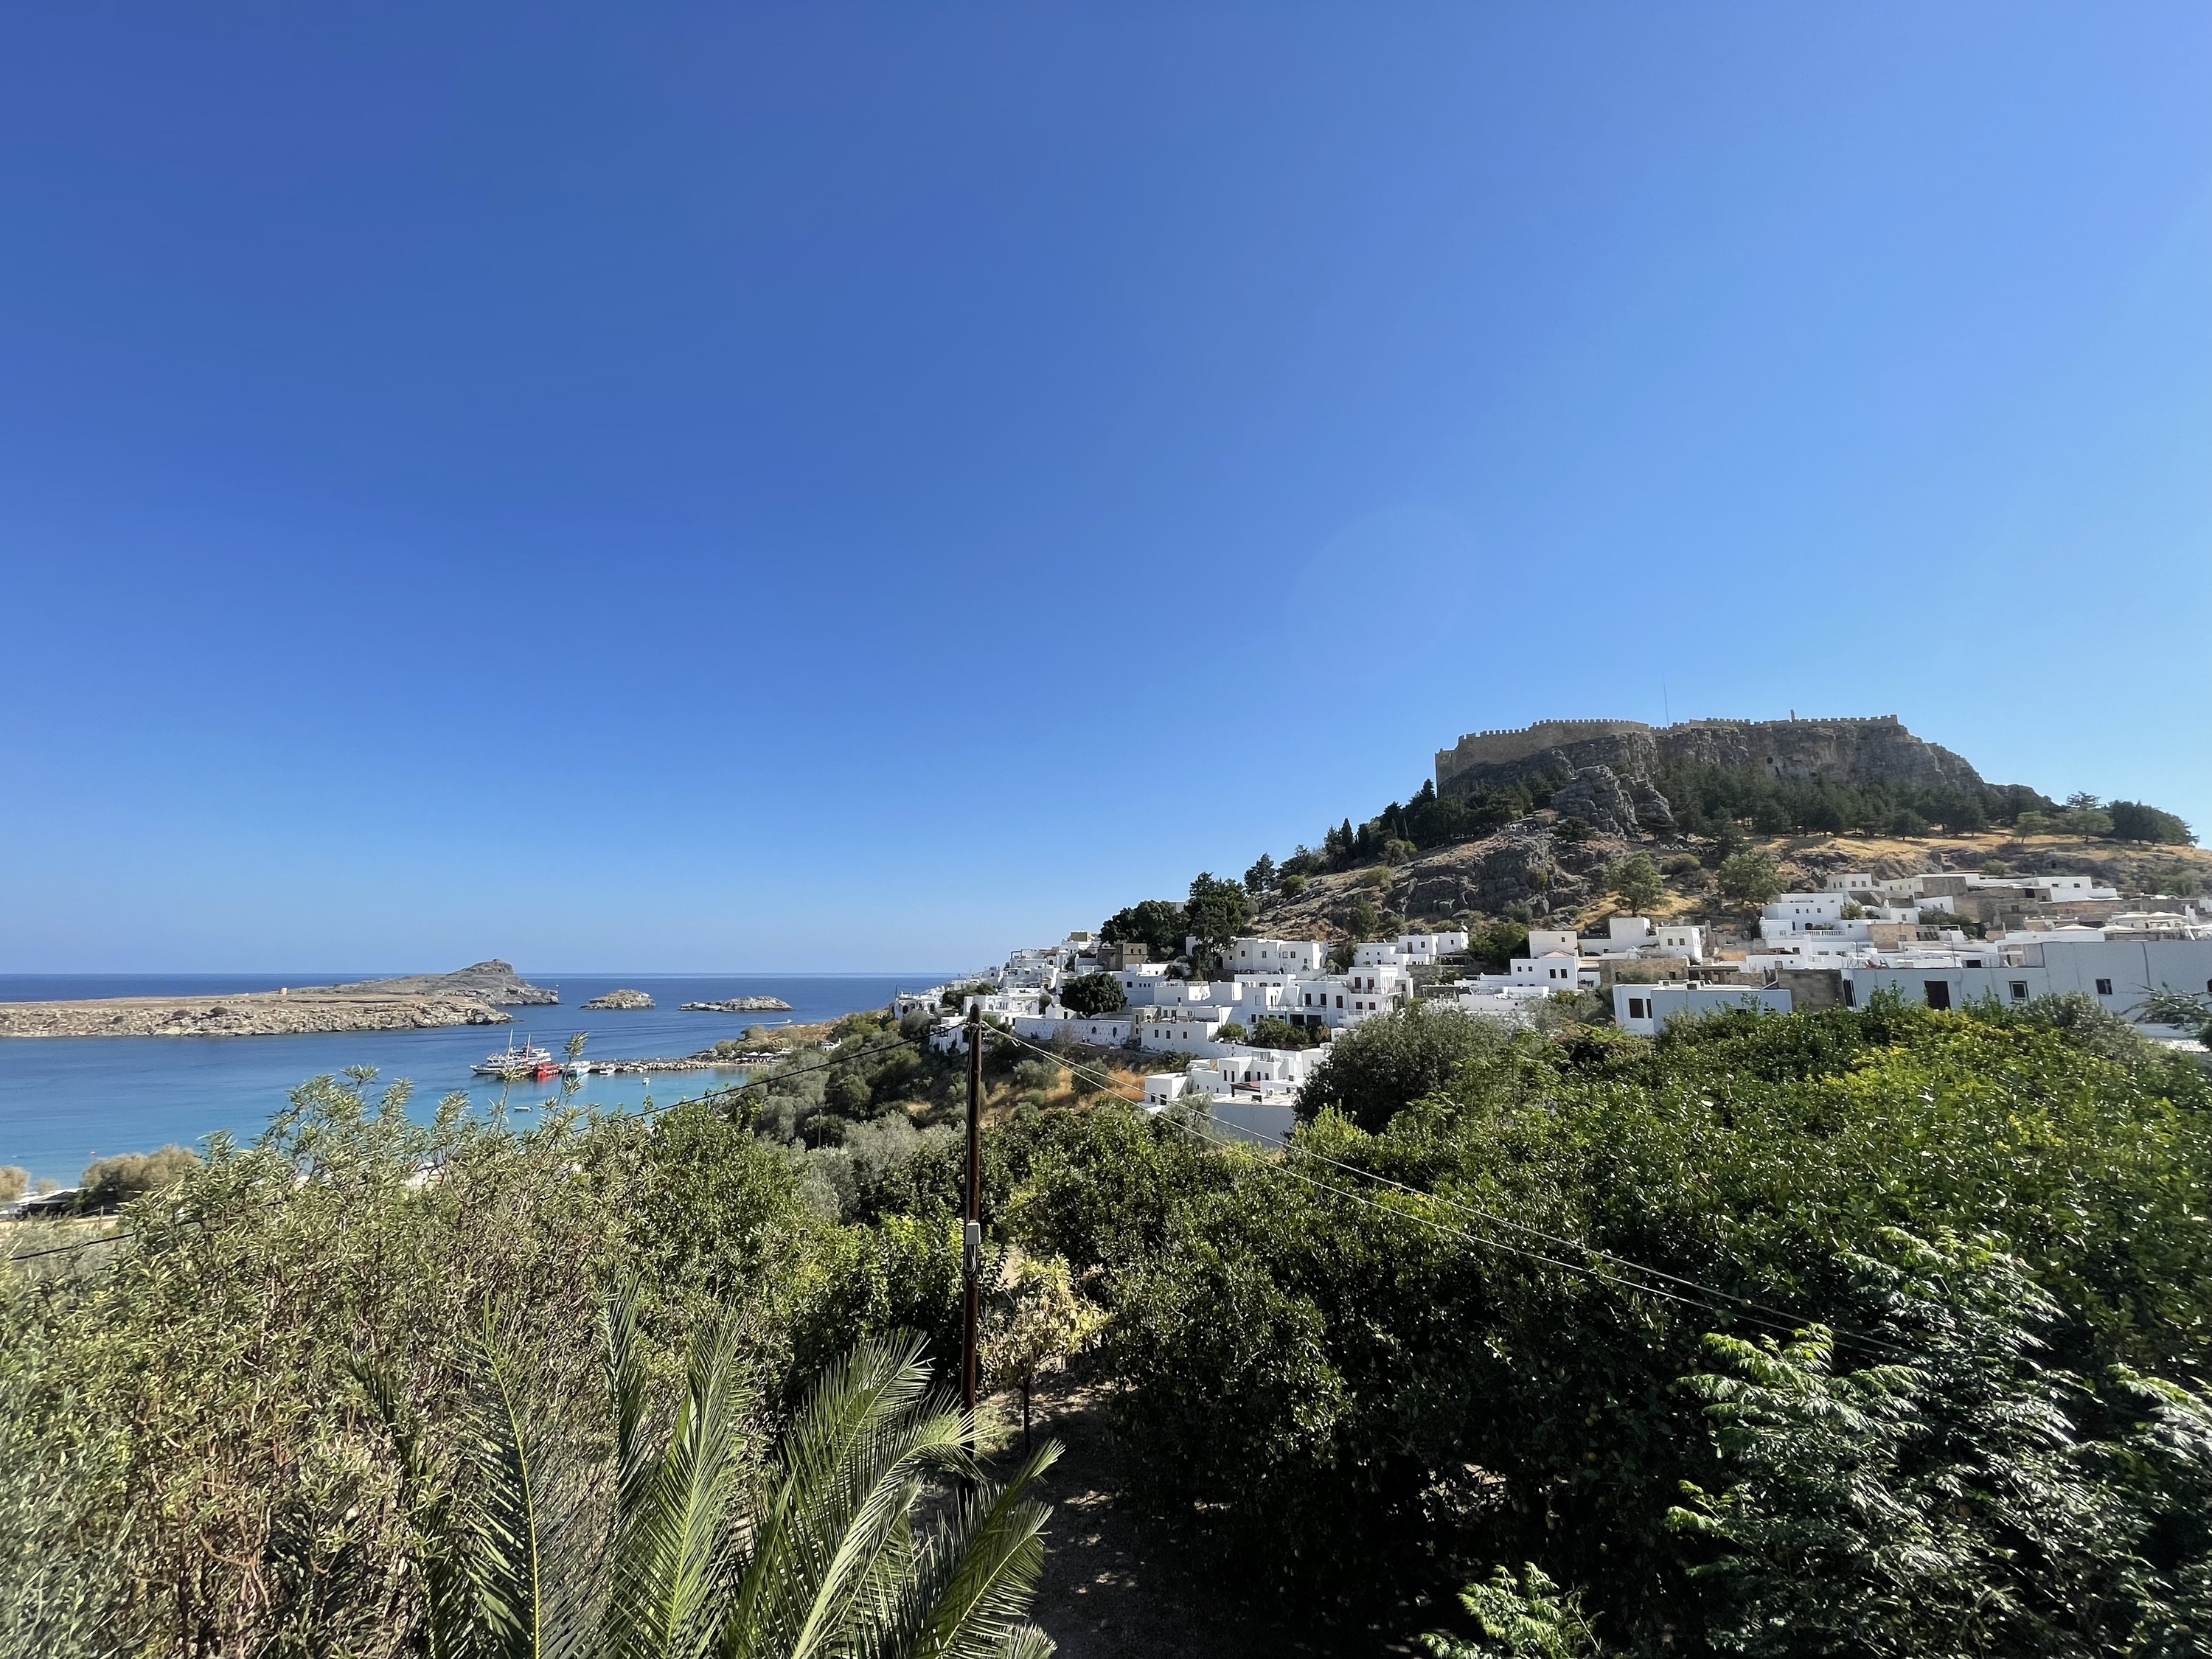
65 1101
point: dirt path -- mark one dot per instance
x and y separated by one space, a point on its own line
1114 1586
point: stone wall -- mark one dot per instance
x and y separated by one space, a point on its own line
1875 749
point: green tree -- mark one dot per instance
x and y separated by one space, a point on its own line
1089 995
1156 923
1036 1320
1376 1068
1261 876
1942 1501
1635 880
714 1544
1500 943
2132 820
1749 876
1217 911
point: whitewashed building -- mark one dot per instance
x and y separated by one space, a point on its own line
1274 955
1643 1009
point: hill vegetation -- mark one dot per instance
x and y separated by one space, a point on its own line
1876 1331
1888 1324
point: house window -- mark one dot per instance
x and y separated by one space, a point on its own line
2104 987
1638 1008
1339 1002
2020 990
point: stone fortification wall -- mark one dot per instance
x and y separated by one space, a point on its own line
1502 747
1873 749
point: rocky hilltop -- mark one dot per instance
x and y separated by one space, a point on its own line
1875 749
472 996
495 981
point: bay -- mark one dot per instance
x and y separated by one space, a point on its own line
64 1101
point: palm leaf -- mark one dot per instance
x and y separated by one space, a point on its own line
834 1541
526 1608
672 1512
970 1594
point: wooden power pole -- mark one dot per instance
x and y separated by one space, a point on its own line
971 1232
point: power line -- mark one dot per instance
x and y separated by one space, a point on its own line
1711 1298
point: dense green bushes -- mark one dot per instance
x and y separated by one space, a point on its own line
1855 1332
1360 1384
200 1393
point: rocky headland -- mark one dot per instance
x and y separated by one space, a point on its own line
739 1005
619 1000
473 996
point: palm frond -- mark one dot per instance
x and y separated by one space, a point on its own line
834 1541
525 1609
673 1512
970 1594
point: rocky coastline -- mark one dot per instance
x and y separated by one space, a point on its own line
475 995
738 1006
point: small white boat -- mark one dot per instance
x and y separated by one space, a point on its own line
528 1060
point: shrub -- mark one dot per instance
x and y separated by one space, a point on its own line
1397 852
1273 1031
1039 1073
108 1181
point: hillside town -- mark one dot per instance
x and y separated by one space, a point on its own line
1211 1013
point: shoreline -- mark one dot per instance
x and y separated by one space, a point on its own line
475 995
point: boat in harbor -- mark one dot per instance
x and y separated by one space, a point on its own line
528 1060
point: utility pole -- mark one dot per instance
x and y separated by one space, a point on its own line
971 1232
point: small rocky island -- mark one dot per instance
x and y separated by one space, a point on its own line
619 1000
741 1005
472 996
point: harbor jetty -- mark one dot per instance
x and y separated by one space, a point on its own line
721 1058
476 995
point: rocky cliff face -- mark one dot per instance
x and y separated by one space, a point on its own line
1875 751
1524 863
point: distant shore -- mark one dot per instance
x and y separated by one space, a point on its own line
476 995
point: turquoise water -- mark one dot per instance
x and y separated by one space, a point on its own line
64 1101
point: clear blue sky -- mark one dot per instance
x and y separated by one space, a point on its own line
813 487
